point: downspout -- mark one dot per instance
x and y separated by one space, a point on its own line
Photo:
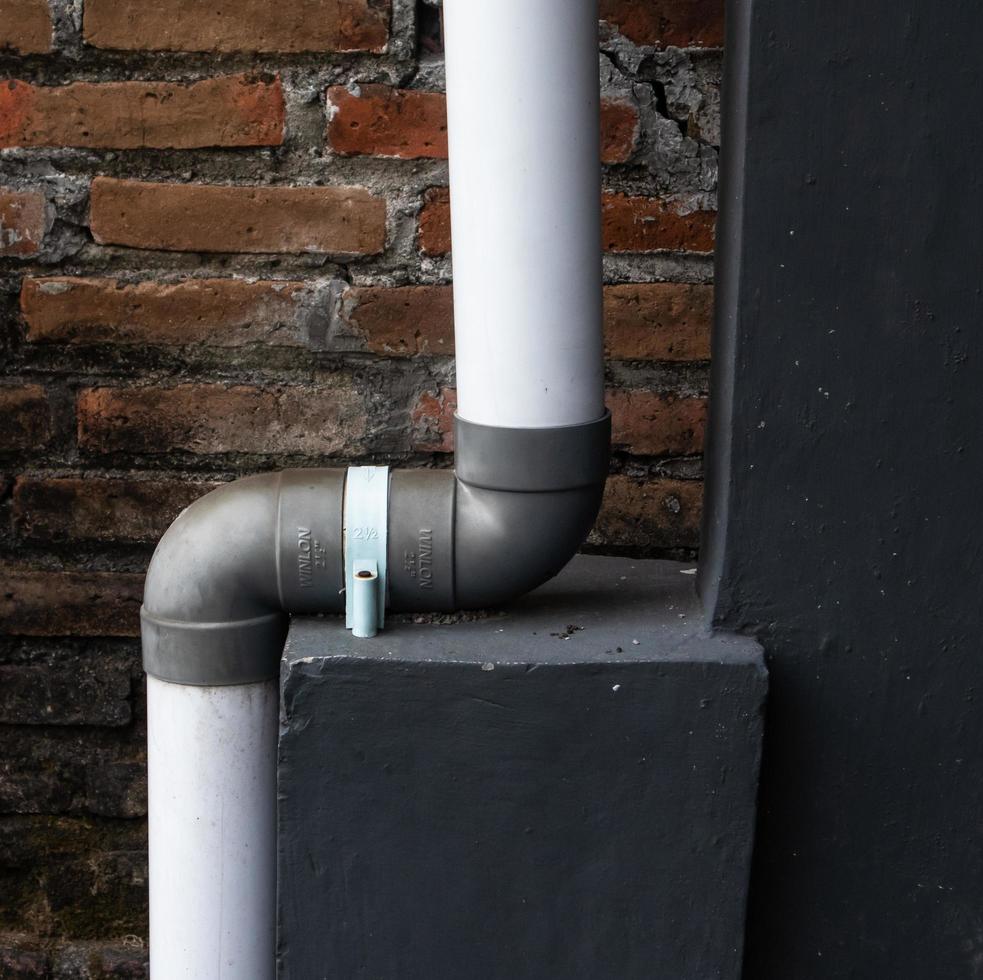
532 442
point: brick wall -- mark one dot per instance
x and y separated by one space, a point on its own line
225 247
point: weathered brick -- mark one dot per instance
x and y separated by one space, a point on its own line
99 509
210 312
74 878
41 694
216 418
39 774
19 963
665 23
116 789
646 423
388 122
619 131
648 224
433 422
23 222
629 224
237 25
25 26
235 110
100 961
380 120
658 321
25 417
76 603
228 218
642 321
47 769
401 321
649 514
435 221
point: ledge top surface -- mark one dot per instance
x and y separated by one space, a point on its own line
597 609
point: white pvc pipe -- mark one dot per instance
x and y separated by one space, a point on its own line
522 106
212 763
525 196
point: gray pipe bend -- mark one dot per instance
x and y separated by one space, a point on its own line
234 564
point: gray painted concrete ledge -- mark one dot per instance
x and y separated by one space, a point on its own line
564 788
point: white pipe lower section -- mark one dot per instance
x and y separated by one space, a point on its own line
522 107
212 763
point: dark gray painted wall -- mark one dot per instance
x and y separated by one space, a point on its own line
844 522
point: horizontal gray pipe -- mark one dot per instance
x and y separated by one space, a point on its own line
237 562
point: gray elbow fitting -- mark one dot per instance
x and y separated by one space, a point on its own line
235 563
526 499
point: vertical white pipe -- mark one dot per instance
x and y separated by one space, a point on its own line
212 799
522 106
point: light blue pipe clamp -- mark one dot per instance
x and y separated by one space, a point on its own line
366 523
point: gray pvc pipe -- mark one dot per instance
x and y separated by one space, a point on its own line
235 563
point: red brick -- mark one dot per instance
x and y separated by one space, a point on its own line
76 603
619 131
235 110
25 417
389 122
642 321
664 23
215 418
435 221
25 26
74 509
648 224
433 422
237 25
23 222
211 312
228 218
658 321
629 224
649 514
646 423
402 321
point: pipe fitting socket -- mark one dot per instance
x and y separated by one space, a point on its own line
229 569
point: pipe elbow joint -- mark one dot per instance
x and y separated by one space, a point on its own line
229 569
526 500
236 562
517 507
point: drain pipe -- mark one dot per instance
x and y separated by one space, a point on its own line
522 110
532 441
